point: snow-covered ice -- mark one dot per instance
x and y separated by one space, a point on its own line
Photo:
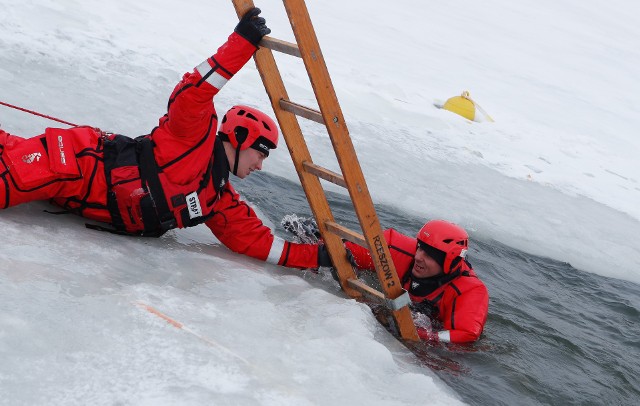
557 175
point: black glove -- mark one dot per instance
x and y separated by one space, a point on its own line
323 256
251 27
325 261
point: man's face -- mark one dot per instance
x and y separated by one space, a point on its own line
424 266
250 160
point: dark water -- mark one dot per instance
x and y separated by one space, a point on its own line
554 336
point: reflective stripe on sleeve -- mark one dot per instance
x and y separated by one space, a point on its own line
214 78
276 250
444 336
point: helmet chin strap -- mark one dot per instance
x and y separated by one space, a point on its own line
235 163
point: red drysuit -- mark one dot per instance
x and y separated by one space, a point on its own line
175 177
459 300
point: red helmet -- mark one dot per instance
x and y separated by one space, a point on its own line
448 238
245 127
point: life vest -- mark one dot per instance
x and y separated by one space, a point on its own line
143 201
457 303
426 293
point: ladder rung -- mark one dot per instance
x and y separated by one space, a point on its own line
345 233
371 293
281 46
302 111
366 290
324 173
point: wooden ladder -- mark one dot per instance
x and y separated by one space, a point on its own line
395 298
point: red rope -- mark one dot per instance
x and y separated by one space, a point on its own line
38 114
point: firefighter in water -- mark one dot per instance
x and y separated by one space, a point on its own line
177 176
440 281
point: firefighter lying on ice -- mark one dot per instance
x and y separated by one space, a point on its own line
177 176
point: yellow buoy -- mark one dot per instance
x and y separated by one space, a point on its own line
467 108
461 105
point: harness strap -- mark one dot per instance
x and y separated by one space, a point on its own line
110 162
149 174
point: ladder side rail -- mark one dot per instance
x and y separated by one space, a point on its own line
329 107
297 146
347 159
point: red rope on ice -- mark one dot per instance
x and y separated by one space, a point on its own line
35 113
